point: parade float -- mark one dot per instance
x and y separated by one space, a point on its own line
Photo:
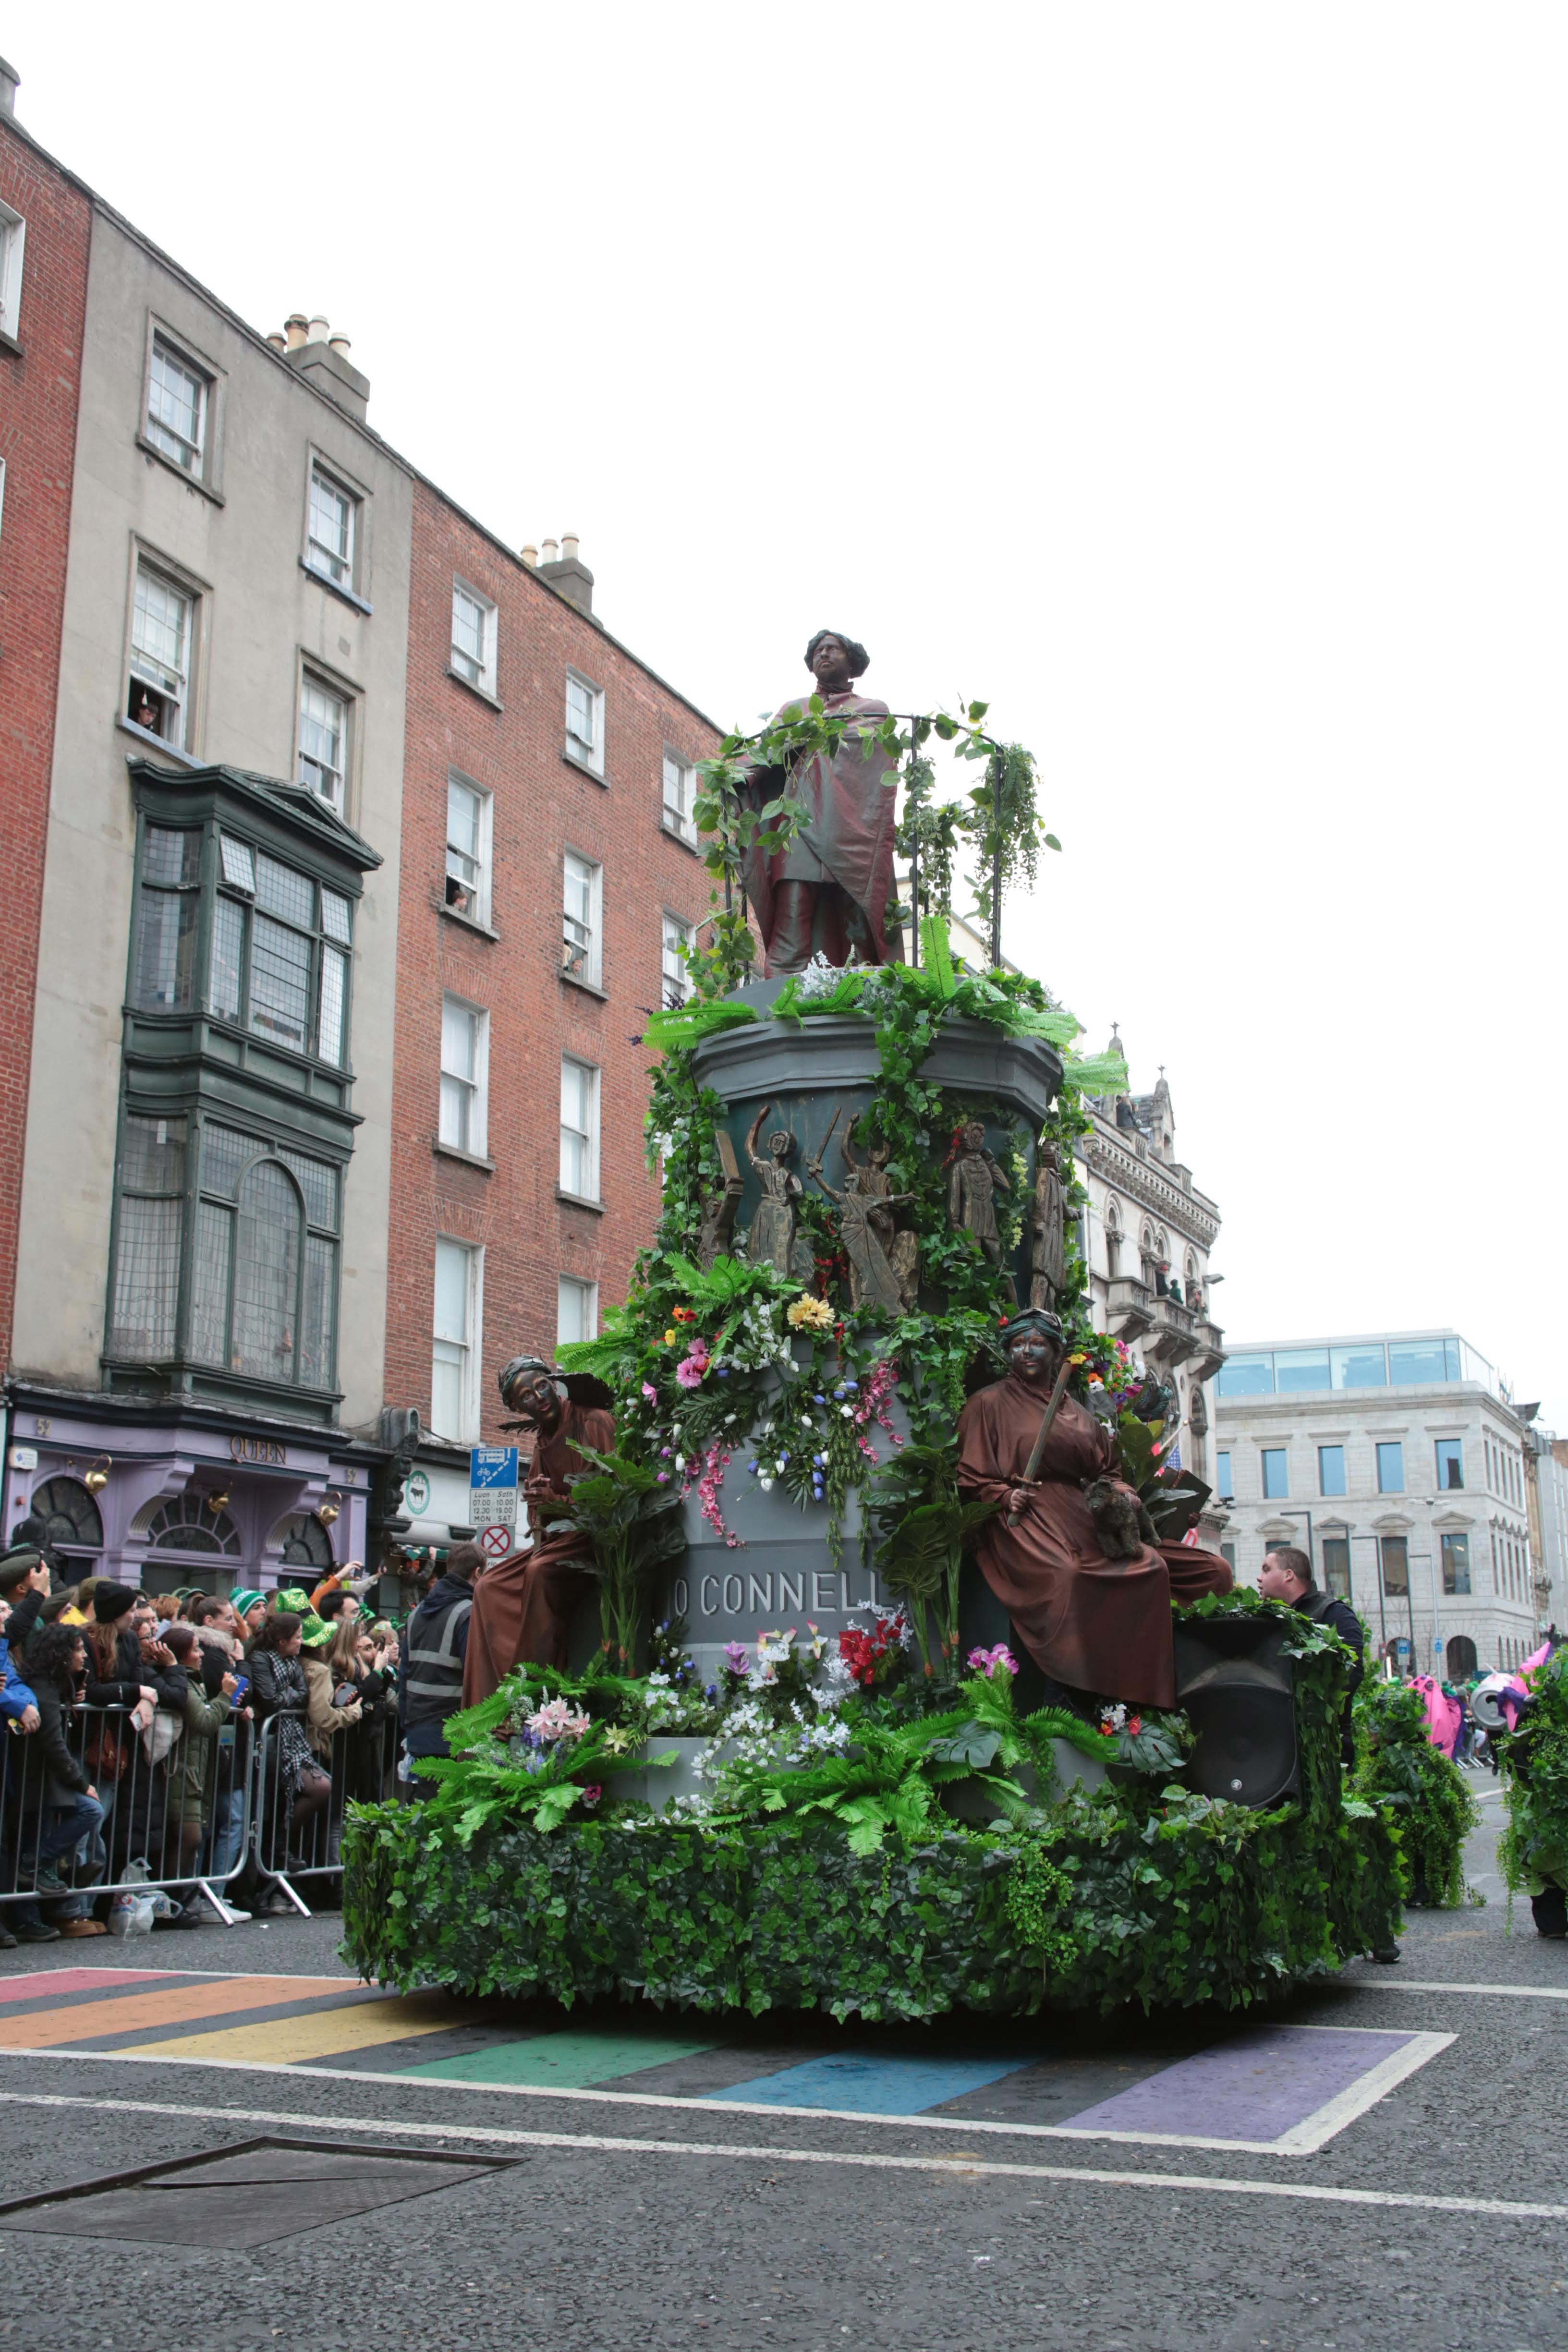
853 1679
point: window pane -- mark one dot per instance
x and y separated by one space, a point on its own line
1222 1473
318 1179
448 1372
332 528
1455 1564
160 631
580 714
463 813
456 1039
283 892
457 1097
152 1155
575 1310
582 945
176 406
146 1277
170 856
229 942
1300 1368
238 864
209 1296
266 1275
165 950
1412 1360
1451 1366
452 1292
469 617
1450 1464
329 1040
226 1155
1358 1367
317 1312
1247 1376
279 983
1337 1566
1395 1567
1391 1468
1275 1471
335 917
1331 1469
676 977
574 1095
323 736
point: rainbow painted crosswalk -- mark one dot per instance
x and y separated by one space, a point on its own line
1282 2088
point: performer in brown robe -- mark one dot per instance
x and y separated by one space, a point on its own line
826 893
523 1606
1090 1623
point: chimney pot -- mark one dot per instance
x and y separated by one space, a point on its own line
531 557
294 327
339 343
317 331
277 340
9 79
552 552
568 547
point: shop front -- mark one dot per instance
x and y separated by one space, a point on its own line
161 1495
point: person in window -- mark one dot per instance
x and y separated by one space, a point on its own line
294 1789
59 1805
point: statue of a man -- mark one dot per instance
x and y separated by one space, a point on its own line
827 892
973 1181
1048 1253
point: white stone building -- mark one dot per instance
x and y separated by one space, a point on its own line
1399 1461
1148 1238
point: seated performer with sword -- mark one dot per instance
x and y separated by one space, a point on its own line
1096 1628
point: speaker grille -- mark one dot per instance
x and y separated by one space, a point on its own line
1247 1742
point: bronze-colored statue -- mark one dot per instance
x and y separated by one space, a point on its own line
865 1227
774 1228
827 892
522 1605
1048 1251
973 1185
719 1207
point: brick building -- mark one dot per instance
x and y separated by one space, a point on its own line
44 229
548 867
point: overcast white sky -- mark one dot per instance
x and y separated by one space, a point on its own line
1186 380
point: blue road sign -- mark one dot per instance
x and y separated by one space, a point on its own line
492 1466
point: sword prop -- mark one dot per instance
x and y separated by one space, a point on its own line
1037 1451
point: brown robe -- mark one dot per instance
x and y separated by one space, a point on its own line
1094 1624
848 837
523 1606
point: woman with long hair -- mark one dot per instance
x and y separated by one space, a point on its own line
294 1787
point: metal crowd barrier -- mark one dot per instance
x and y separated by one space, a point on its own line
361 1767
178 1835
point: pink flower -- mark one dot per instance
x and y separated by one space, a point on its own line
591 1796
651 1391
689 1372
988 1662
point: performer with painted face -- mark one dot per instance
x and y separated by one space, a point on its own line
523 1606
1093 1625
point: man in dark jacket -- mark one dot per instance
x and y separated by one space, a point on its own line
1287 1575
58 1794
24 1583
430 1671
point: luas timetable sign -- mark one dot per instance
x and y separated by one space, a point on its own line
492 1499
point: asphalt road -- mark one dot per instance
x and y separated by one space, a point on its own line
702 2226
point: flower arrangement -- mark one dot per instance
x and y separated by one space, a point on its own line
877 1656
807 1314
997 1661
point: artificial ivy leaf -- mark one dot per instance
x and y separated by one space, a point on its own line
977 710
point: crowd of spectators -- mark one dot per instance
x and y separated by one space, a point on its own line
140 1735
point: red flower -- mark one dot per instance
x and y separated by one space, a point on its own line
1134 1724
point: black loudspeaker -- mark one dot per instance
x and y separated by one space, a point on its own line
1238 1694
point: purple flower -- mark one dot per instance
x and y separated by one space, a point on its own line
662 1479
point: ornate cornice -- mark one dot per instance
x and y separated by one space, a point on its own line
1144 1182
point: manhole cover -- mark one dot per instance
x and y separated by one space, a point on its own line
246 2194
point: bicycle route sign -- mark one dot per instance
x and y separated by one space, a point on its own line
492 1499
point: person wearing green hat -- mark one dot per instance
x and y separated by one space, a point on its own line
249 1608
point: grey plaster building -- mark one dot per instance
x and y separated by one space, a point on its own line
202 1265
1400 1462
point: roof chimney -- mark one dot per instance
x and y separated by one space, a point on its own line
531 557
567 573
9 79
323 358
278 339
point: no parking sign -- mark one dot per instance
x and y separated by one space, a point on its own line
492 1499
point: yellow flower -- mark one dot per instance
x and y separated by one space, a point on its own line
1079 1359
670 1337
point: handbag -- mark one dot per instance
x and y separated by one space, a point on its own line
108 1752
159 1736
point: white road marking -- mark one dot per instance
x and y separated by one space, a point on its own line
1304 2138
958 2167
1436 1984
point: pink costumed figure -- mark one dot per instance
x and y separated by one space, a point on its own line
1444 1716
